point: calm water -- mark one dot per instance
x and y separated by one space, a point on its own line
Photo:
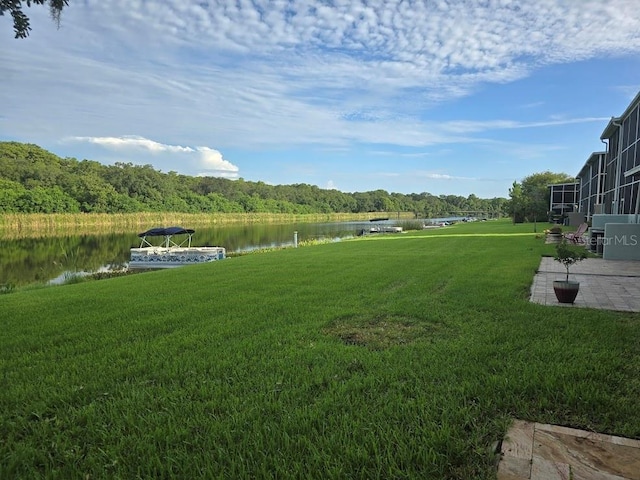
42 260
28 261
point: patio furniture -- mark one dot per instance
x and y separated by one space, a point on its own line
577 237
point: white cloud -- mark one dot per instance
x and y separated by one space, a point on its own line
132 142
443 48
208 160
463 126
440 176
213 164
268 67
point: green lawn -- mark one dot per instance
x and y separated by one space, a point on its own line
392 356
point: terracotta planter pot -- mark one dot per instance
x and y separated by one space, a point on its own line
566 292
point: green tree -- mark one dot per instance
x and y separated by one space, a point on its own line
46 200
252 204
499 207
364 202
10 193
21 25
141 183
536 192
530 198
516 204
221 204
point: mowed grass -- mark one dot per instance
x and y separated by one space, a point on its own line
396 356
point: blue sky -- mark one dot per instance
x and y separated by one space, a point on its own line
439 96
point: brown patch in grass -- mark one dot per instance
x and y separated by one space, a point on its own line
381 332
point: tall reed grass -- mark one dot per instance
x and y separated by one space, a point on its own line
22 225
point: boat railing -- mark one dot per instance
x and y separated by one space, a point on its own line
168 242
168 238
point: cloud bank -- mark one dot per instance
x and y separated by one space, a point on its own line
263 72
208 160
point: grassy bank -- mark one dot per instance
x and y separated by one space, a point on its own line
23 225
398 356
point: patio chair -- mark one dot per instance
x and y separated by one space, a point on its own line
577 237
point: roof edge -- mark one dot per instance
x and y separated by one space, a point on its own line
610 129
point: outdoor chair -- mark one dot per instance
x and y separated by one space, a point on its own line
577 236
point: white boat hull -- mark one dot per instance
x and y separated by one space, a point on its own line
386 229
171 257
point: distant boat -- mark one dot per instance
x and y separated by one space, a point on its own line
379 219
386 229
169 253
380 229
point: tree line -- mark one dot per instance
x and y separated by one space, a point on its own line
34 180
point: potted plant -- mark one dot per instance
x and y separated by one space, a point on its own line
566 290
554 234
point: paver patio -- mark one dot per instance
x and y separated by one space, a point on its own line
605 284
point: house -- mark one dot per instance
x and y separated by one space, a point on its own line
622 162
608 186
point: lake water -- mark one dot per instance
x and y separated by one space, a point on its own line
42 260
52 259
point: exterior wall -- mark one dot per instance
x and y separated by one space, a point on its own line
599 221
609 188
563 199
621 241
623 155
609 196
591 179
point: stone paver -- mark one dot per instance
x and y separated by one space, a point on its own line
604 284
536 451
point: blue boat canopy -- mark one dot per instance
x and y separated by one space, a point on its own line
163 232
